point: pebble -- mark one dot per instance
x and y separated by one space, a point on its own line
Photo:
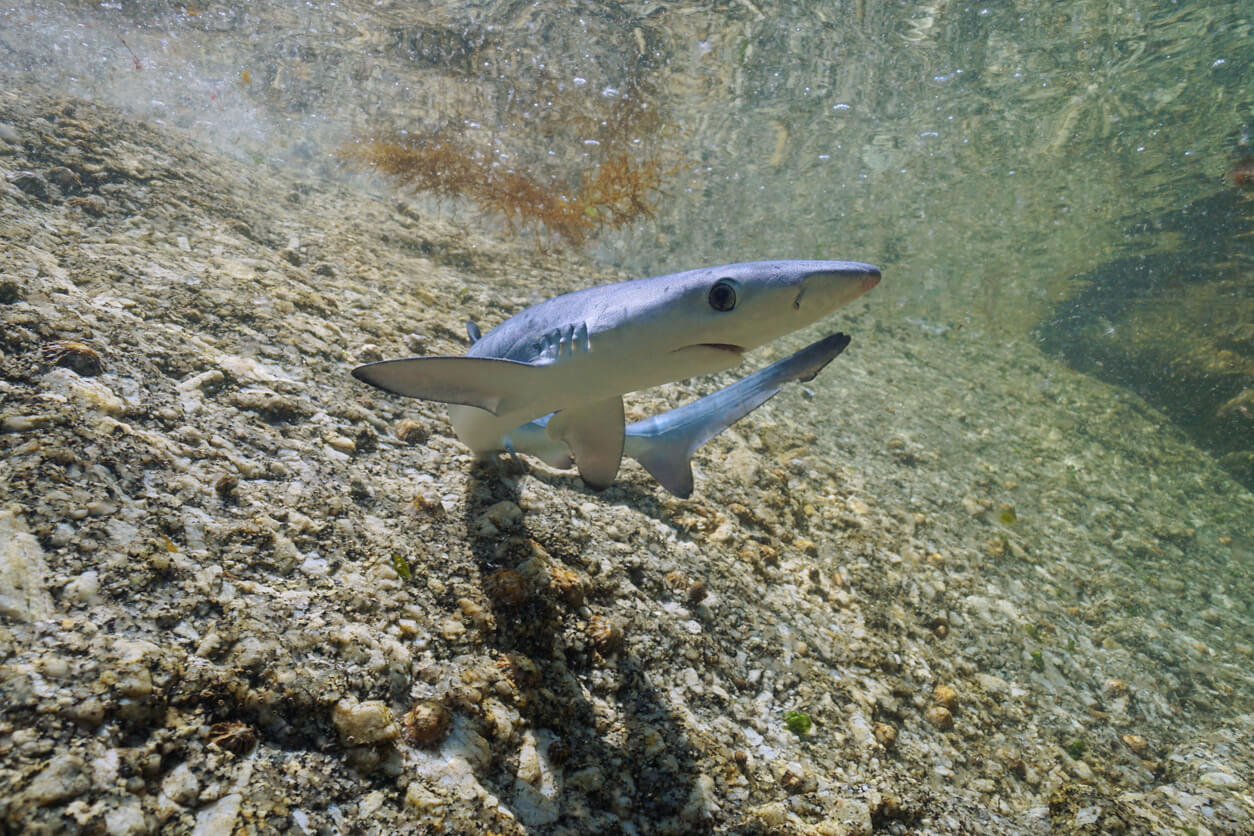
64 777
362 723
23 423
219 816
1139 745
23 571
341 443
30 182
127 819
1219 780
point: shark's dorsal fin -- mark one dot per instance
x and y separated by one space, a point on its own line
594 433
472 331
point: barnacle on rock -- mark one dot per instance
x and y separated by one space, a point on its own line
226 485
605 634
79 357
946 697
568 584
519 670
412 432
233 736
940 717
426 723
506 588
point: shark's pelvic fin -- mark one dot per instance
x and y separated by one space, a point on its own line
594 433
664 444
533 439
484 382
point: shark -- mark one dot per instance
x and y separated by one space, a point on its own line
549 381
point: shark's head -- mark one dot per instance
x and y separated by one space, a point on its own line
738 307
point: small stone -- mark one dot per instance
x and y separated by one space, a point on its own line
361 723
940 717
423 800
65 178
181 786
341 443
994 686
23 571
504 515
885 735
1139 745
23 423
586 780
1218 780
30 182
218 817
127 819
1010 759
64 777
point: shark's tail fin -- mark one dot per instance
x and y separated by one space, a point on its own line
664 444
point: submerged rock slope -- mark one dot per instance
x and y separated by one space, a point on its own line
949 587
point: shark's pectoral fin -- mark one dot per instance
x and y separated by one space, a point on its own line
484 382
664 444
594 433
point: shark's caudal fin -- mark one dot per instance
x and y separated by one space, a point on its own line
594 434
472 381
664 444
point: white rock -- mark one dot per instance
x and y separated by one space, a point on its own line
1218 780
126 819
23 571
364 722
536 786
85 589
181 785
218 817
64 777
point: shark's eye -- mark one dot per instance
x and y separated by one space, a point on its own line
723 295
